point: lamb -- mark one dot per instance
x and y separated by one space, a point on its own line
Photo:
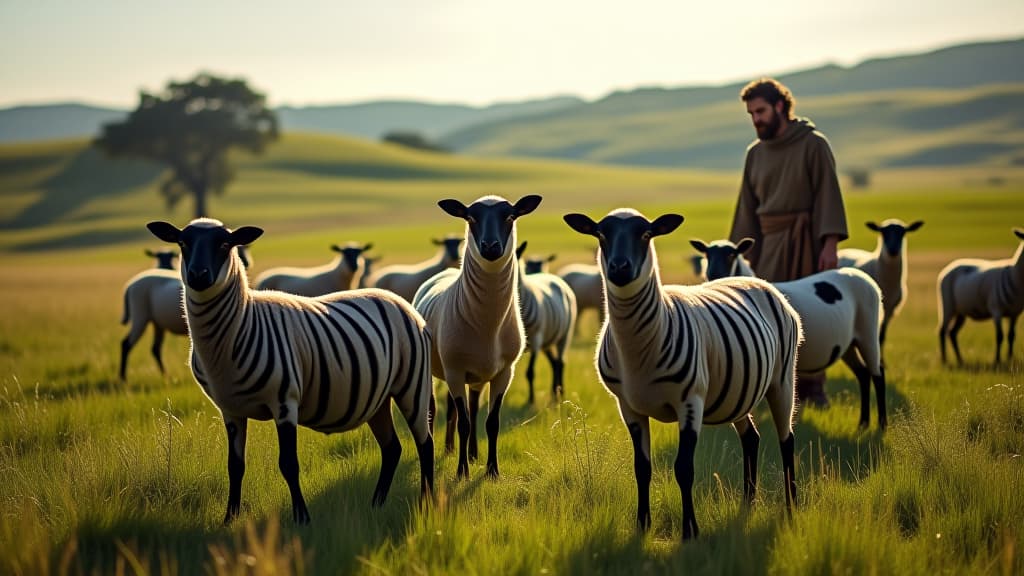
405 279
340 274
585 281
840 311
154 296
887 265
164 258
473 314
549 316
981 289
331 363
690 354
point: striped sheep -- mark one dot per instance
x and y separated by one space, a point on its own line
840 311
405 279
154 296
549 316
340 274
473 315
887 265
330 363
694 355
585 281
981 289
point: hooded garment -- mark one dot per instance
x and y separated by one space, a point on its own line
789 201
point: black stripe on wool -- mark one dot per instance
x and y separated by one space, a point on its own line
367 345
353 396
724 387
253 359
325 372
287 356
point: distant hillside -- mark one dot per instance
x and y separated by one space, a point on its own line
369 120
956 105
374 119
54 121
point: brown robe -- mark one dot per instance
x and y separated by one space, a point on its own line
789 201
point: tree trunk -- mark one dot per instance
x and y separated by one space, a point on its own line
200 197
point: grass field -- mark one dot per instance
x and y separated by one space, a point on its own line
108 477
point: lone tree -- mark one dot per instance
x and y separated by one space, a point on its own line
190 127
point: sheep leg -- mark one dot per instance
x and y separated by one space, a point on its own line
879 381
499 385
421 426
474 411
998 320
863 375
452 418
529 375
237 431
639 427
689 428
288 462
158 342
128 343
750 439
780 401
958 323
557 373
383 428
942 339
1011 333
460 416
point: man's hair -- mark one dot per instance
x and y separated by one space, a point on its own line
772 91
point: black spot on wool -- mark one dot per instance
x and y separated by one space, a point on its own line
827 292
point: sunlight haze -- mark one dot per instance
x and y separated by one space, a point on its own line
459 51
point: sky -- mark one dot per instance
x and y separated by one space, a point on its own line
475 52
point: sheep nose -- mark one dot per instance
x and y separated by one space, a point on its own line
618 266
490 249
196 275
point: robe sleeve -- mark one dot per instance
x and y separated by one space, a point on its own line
745 222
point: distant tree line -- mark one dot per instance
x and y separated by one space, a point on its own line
412 139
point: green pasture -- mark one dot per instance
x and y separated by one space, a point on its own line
105 477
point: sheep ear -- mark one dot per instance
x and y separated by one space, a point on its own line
872 226
150 253
1019 232
527 204
699 245
453 207
550 258
665 224
520 250
335 248
165 231
246 235
367 246
581 223
915 226
744 245
437 242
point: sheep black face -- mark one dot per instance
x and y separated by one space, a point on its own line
892 232
491 220
624 237
535 264
451 247
205 247
351 253
721 256
164 258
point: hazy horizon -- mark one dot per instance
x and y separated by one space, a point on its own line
456 51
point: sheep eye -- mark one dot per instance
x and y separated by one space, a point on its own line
470 219
225 246
645 236
510 218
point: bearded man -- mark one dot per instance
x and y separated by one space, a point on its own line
789 200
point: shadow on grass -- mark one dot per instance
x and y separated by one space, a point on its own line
87 176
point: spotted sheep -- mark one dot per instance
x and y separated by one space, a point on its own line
549 316
473 315
840 311
887 265
342 273
405 279
695 355
330 363
981 289
154 297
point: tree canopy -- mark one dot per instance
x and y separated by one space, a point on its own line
190 127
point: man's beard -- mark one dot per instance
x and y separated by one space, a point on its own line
771 129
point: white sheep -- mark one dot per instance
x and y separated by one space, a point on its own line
473 315
840 311
694 355
549 316
405 279
887 265
981 289
342 273
330 363
585 281
154 297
